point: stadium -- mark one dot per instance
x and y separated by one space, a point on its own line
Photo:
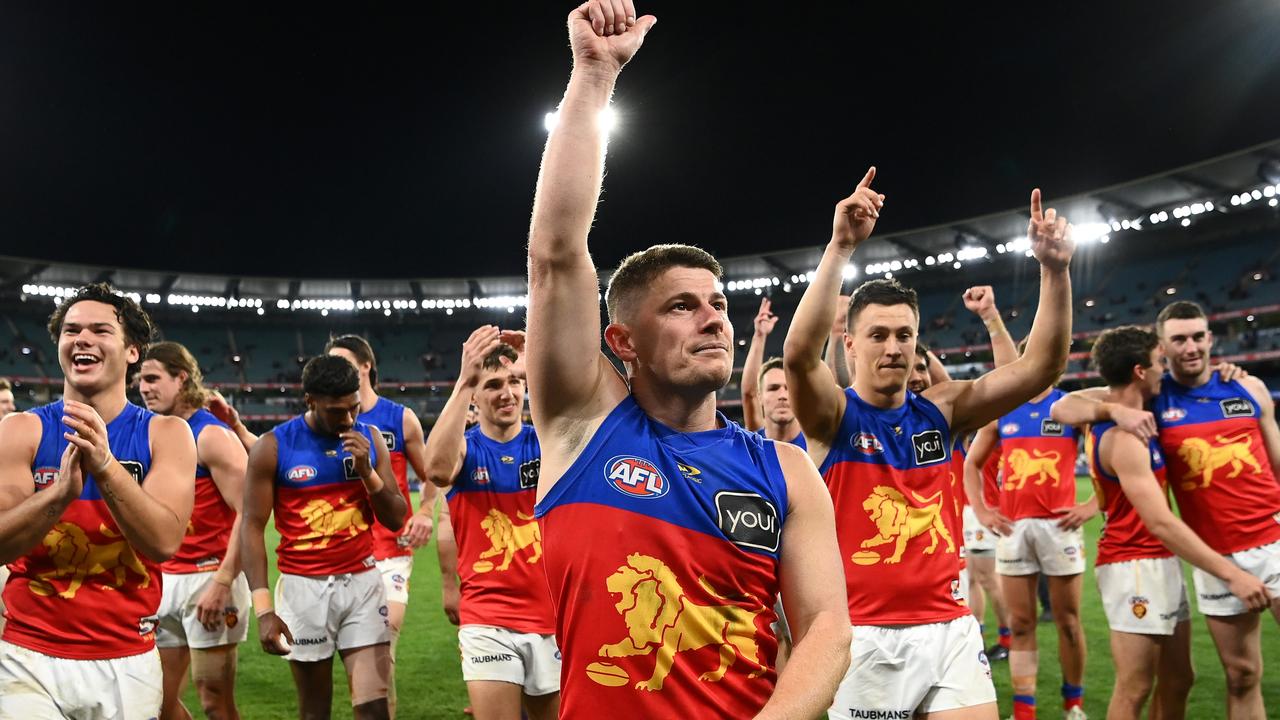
254 310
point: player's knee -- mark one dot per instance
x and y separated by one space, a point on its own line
372 710
216 698
1132 690
1243 676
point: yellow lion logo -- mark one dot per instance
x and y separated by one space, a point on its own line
507 538
73 554
898 521
661 618
1023 466
1203 459
326 521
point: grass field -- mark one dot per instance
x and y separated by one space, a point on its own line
430 681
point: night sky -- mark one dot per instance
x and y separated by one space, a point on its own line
383 140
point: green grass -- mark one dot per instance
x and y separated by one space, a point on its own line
430 680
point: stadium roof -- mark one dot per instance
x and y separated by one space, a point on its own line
1240 182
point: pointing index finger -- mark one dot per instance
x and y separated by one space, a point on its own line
866 179
1036 213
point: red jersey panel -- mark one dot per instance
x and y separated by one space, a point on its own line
1038 455
991 477
209 528
83 593
1124 535
1219 469
499 540
890 477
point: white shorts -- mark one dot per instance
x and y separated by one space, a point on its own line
979 540
1212 595
34 685
1147 596
900 670
395 577
1038 545
179 626
529 660
332 612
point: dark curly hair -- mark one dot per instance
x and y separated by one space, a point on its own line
136 323
359 347
331 376
1118 350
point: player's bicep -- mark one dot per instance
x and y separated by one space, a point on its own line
976 403
171 480
812 577
259 481
227 461
817 400
563 361
19 437
1266 417
1130 459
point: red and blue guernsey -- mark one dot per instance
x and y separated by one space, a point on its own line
83 593
799 440
1039 456
209 529
1218 464
499 541
1124 535
662 554
991 477
388 417
322 509
890 477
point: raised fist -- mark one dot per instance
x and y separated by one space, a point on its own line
607 33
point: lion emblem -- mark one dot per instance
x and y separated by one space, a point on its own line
74 555
1203 458
1022 466
326 521
507 538
661 619
898 521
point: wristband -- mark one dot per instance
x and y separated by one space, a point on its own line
262 603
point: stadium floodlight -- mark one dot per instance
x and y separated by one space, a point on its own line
850 272
608 120
1086 233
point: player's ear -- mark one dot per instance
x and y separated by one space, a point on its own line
618 337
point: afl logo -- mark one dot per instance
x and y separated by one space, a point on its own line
635 477
301 473
1173 414
44 477
867 444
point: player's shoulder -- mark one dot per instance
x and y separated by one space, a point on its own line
168 426
1256 387
22 428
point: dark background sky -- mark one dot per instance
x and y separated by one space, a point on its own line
382 140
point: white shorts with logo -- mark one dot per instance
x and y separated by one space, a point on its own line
979 539
1146 596
179 626
332 612
1213 597
899 670
395 577
529 660
1038 545
37 686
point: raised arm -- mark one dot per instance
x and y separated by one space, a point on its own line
227 413
26 516
813 594
980 449
259 499
419 525
752 413
834 355
970 405
816 397
1130 458
153 514
981 301
570 380
447 446
1088 406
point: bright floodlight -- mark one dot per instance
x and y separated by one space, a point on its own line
608 120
